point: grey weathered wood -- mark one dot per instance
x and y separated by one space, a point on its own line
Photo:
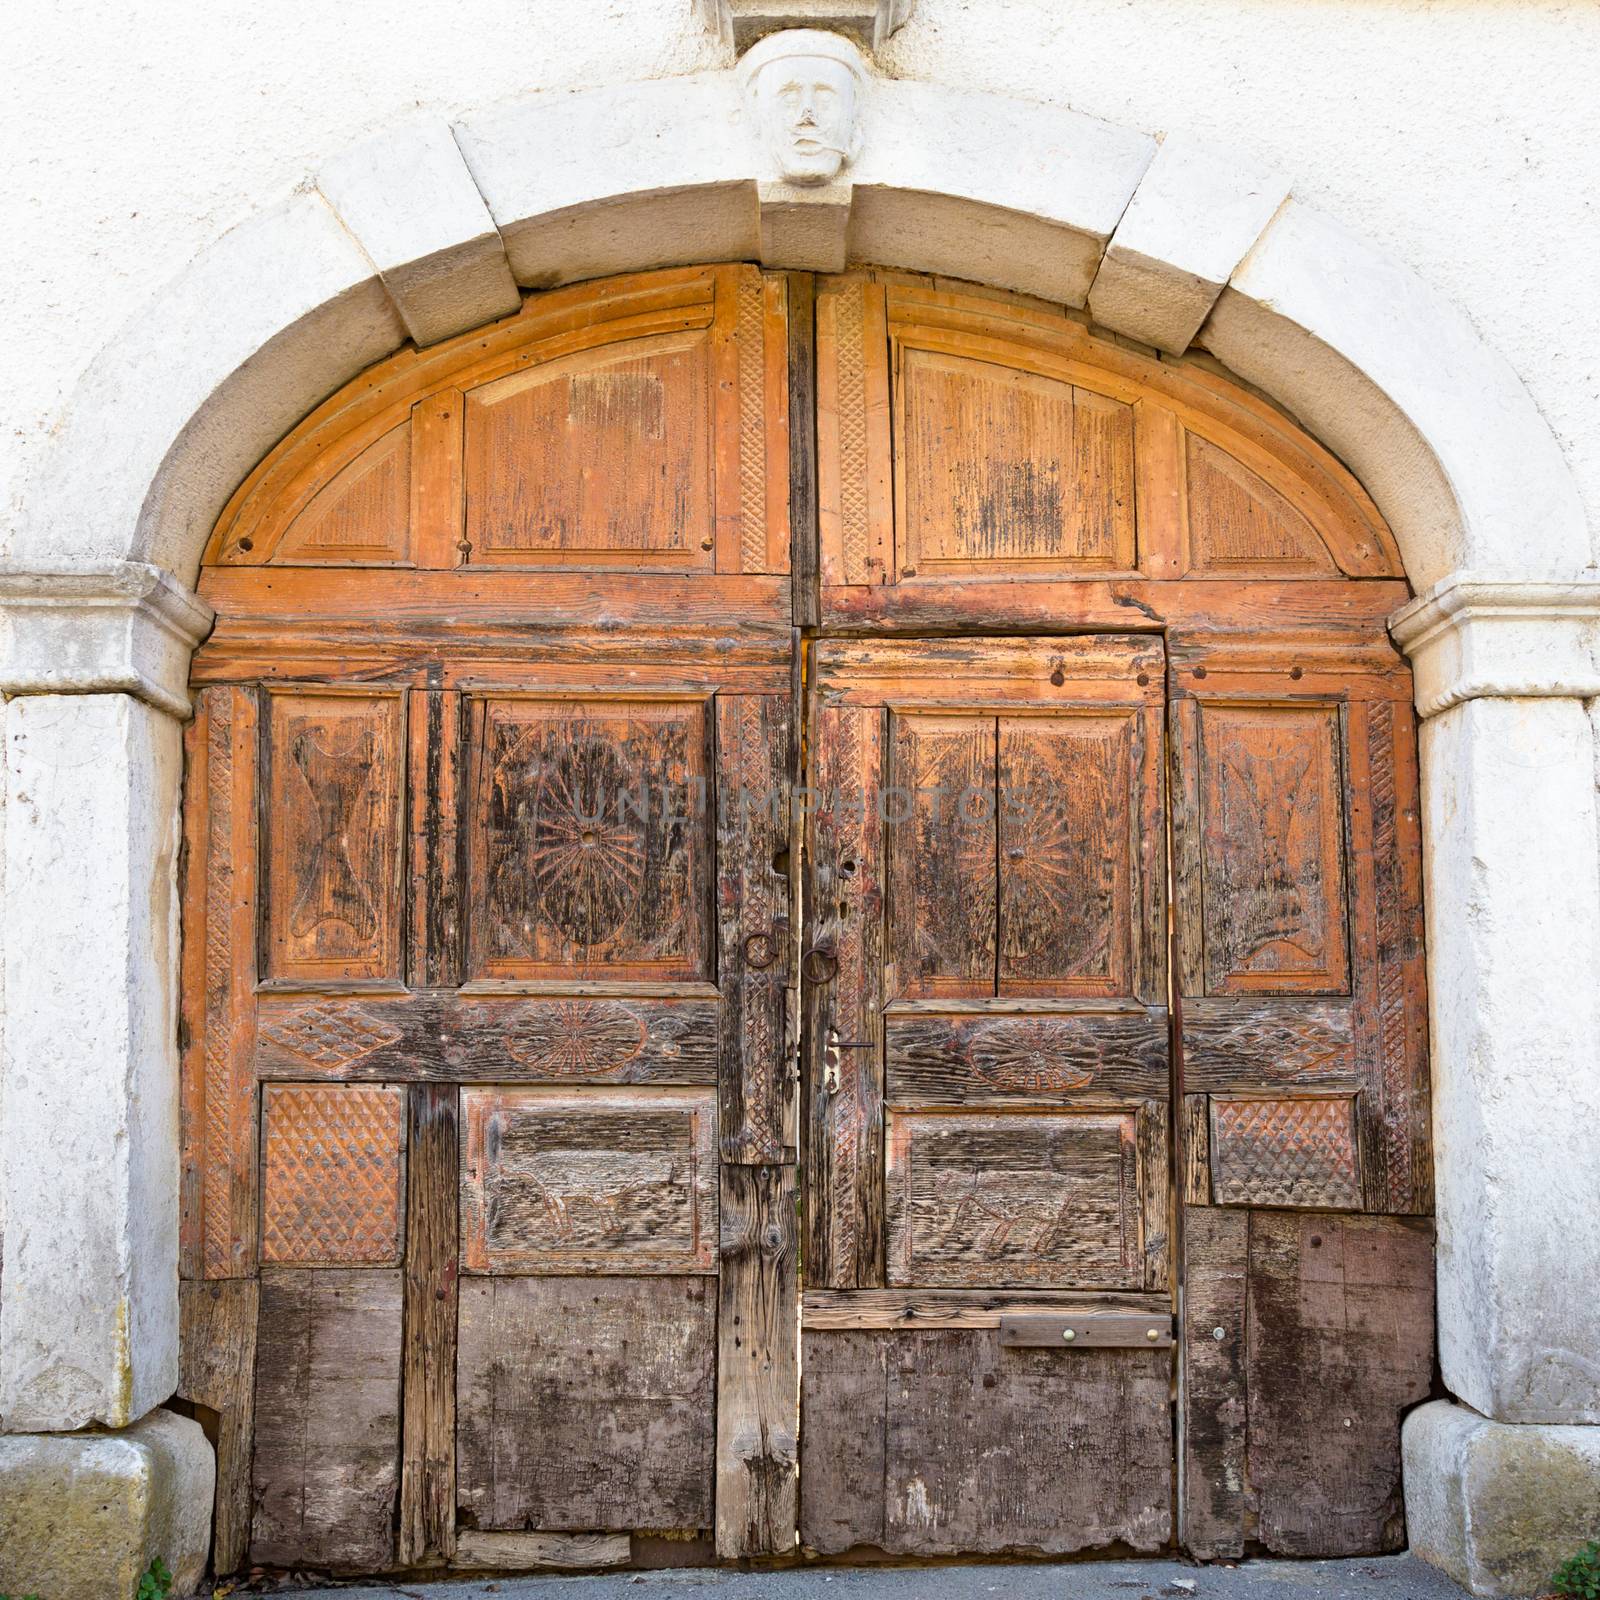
756 1090
1068 1452
758 1356
1340 1346
584 1037
1216 1249
1155 1190
524 1552
1194 1158
428 1431
1187 909
327 1419
586 1403
216 1369
1051 1056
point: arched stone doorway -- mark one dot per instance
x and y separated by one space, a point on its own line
1097 930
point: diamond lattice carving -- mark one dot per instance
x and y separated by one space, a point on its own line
1284 1153
331 1036
331 1174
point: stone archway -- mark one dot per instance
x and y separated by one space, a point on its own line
1164 244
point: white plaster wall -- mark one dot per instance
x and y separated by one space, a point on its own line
1460 135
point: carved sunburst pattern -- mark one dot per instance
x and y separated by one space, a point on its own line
581 1039
588 859
1037 1056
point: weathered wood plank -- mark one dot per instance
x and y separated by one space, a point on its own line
525 1552
1054 1056
434 911
802 356
1340 1346
1092 1330
842 991
1213 1469
846 1309
756 1087
428 1423
327 1420
586 1404
216 1369
1195 1151
576 1038
758 1359
1154 1153
898 1428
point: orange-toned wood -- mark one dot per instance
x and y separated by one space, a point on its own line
438 483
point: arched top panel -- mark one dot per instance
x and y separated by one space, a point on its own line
969 436
636 423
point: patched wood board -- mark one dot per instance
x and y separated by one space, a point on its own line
327 1419
586 1404
944 1443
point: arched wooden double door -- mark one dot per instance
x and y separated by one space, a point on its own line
802 932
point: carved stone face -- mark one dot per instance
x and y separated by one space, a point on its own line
807 110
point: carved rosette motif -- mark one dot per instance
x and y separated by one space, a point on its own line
1047 1050
580 1039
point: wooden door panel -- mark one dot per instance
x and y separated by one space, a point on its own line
942 1442
601 1181
586 1403
333 794
941 806
1025 1198
1068 854
1002 469
1299 1152
589 839
601 456
1272 849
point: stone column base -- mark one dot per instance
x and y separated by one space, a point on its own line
1498 1505
84 1514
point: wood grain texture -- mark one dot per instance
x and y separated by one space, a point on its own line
758 1362
1025 1198
754 950
1290 1152
942 1443
577 1038
1085 1330
426 1525
586 1404
434 735
1264 1044
614 1181
362 515
801 327
216 1369
327 1420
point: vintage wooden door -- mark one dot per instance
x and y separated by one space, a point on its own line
801 933
987 971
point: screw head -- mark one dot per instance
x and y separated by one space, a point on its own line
1153 1333
1219 1333
1069 1334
